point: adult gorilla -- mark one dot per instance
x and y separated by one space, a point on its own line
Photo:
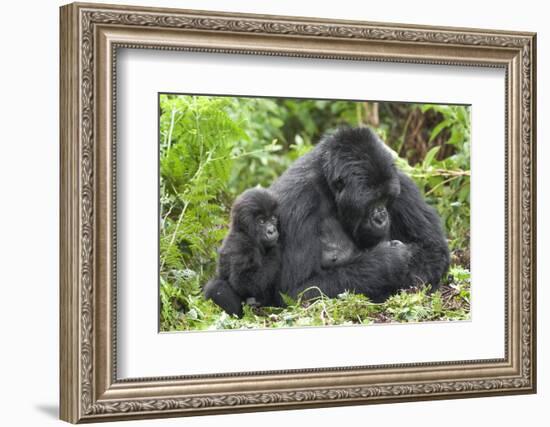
350 177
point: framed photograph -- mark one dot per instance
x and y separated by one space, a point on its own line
266 212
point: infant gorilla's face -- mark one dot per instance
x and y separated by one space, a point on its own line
266 228
253 214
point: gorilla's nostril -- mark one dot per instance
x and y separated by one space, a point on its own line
379 219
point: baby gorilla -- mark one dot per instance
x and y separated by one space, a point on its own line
338 248
249 261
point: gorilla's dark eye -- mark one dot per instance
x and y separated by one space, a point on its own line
339 184
261 220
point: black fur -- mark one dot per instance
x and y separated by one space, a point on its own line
350 177
337 247
249 262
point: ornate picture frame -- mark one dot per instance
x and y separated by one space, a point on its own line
90 37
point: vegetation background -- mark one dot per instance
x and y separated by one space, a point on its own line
213 148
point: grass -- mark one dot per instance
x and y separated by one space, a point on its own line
450 303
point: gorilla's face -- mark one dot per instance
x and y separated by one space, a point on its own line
364 182
363 207
253 214
266 229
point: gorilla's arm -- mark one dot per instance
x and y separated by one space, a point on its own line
300 227
238 279
377 273
416 223
244 269
338 248
233 269
254 276
224 295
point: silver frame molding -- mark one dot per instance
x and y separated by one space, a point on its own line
90 36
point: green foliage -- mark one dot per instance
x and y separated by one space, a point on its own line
197 140
446 181
213 148
451 302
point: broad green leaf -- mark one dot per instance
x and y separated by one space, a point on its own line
430 155
437 130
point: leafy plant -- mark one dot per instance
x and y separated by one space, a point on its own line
196 159
446 181
451 302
